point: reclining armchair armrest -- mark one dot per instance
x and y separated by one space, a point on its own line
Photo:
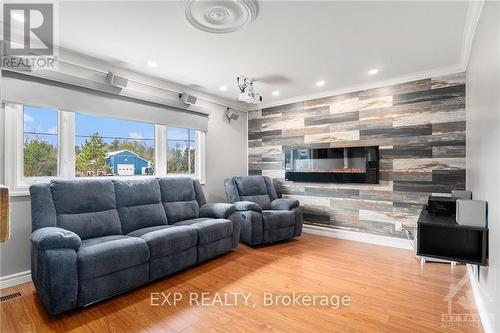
247 205
217 210
48 238
284 204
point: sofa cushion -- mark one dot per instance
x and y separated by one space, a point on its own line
139 203
209 230
91 225
250 186
83 195
140 232
103 255
170 240
177 189
276 219
86 207
179 198
181 210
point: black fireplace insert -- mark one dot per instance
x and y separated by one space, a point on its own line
333 165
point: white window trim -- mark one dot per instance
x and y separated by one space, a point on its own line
14 142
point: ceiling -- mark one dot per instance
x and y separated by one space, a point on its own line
290 46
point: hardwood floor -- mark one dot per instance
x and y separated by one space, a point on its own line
388 291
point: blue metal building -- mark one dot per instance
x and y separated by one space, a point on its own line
127 163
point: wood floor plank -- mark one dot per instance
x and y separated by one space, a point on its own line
389 293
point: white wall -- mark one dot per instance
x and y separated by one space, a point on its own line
226 156
483 148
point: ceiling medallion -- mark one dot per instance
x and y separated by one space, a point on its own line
220 16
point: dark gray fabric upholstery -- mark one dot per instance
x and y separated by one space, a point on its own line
271 191
167 241
251 227
179 198
83 195
284 204
163 266
217 210
55 275
247 205
210 230
92 290
140 232
43 212
267 218
80 255
92 224
250 185
109 254
139 204
213 249
277 219
299 221
198 192
261 199
55 238
181 210
277 235
232 194
177 189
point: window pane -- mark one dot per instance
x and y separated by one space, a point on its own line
40 142
113 147
181 150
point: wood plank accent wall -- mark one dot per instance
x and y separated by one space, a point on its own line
419 127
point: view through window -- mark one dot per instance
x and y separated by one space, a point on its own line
113 147
40 142
181 150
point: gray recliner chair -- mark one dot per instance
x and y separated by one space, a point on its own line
265 218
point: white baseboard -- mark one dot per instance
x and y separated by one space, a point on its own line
399 243
15 279
486 319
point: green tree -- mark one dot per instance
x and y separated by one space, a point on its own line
40 158
93 155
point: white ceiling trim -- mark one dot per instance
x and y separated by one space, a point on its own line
473 15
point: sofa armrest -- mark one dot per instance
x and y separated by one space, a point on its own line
247 205
284 204
217 210
55 238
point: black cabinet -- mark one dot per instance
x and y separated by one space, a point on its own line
443 238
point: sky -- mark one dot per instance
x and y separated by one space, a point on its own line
44 123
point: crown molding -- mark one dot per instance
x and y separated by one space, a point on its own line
471 22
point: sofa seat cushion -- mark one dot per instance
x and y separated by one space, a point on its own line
170 240
277 219
103 255
143 231
209 230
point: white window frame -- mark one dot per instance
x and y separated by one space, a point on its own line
14 143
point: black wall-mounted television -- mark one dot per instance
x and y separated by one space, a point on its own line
333 165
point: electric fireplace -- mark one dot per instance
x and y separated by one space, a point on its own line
333 165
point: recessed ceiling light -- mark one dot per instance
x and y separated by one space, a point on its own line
373 71
320 83
152 63
275 93
223 88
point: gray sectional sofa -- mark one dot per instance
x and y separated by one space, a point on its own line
93 239
266 218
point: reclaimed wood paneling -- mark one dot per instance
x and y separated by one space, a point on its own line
419 127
